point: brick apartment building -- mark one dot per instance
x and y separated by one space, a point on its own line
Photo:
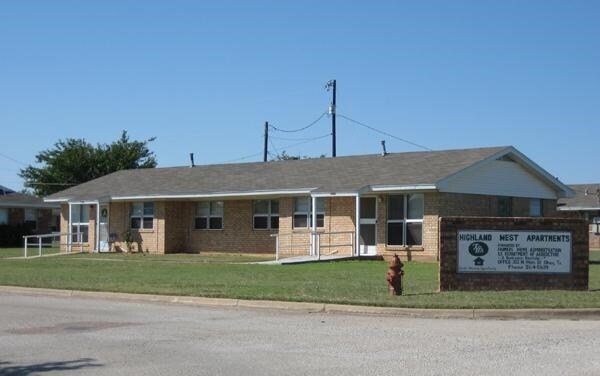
585 205
311 205
18 209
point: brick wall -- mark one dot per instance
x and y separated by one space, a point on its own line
450 279
237 235
173 227
588 216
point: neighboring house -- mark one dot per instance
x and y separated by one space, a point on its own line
397 197
586 205
17 209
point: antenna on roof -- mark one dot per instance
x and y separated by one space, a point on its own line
383 151
192 160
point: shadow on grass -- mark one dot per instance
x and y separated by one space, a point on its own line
6 369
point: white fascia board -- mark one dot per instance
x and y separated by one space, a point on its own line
59 200
402 188
577 208
443 184
214 195
334 194
84 202
563 191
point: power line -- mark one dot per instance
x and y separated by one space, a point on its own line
282 148
299 129
273 146
12 159
307 141
291 138
384 133
29 184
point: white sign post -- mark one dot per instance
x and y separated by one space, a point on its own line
481 251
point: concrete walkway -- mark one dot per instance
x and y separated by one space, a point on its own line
495 314
310 259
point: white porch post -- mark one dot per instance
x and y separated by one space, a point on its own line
69 229
313 227
97 226
357 243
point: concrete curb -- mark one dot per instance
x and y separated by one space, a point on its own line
486 314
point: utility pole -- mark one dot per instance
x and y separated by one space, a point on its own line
266 141
332 84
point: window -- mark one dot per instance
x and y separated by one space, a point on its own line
266 214
504 206
405 219
535 207
3 216
303 213
142 215
209 215
80 222
31 216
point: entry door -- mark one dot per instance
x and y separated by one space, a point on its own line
368 225
103 229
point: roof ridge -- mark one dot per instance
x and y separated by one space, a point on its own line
342 157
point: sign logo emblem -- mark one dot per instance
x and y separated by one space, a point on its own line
478 249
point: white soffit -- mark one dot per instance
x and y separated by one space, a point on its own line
497 175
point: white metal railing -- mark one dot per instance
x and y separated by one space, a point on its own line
315 242
41 244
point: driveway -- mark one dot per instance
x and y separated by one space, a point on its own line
62 335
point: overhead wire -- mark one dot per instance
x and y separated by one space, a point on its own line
282 148
12 159
298 129
384 132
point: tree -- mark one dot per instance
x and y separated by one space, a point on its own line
75 161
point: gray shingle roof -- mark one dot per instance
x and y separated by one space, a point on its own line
341 174
581 200
16 200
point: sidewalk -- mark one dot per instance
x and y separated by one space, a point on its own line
500 314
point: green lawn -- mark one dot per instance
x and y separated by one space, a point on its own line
31 251
351 282
595 256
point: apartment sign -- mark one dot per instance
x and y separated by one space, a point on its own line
481 251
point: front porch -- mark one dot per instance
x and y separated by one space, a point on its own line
283 226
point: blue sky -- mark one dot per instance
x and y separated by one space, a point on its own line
203 77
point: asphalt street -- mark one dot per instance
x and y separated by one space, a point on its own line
67 335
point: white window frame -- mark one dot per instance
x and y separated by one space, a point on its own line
210 215
404 221
309 213
78 224
269 215
143 216
4 218
532 206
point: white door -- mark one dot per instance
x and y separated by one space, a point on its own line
368 225
103 245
